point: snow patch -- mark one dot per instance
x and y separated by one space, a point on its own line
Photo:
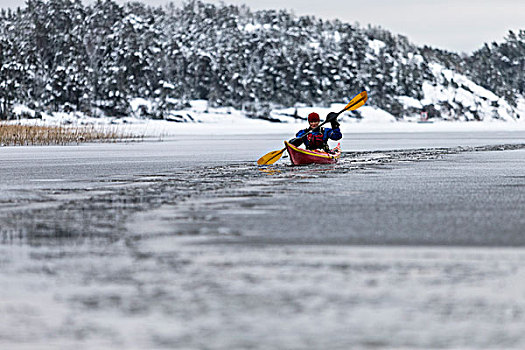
521 109
410 102
251 27
137 103
375 115
167 85
461 80
459 98
199 106
337 36
21 110
376 45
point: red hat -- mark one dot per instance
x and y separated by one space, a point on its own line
313 117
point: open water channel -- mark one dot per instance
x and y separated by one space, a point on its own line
411 241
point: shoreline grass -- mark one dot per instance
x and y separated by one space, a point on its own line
37 135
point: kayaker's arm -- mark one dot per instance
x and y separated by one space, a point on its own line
335 124
299 138
301 133
334 133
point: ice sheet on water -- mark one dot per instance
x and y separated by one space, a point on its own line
102 210
131 267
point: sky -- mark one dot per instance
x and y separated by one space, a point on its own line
454 25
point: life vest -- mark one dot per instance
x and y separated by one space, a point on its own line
315 141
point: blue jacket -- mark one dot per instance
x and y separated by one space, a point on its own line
327 133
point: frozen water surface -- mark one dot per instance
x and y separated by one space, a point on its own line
411 241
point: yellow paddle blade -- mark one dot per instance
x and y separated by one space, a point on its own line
270 158
357 101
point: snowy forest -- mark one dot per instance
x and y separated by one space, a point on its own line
61 55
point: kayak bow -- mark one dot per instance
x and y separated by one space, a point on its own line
301 156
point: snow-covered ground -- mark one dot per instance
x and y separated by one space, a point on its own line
200 119
255 127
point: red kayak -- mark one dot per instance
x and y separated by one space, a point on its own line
301 156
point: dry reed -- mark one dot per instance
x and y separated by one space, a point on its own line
25 135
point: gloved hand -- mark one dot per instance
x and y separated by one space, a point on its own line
331 115
298 141
334 122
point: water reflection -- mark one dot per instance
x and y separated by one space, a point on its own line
269 170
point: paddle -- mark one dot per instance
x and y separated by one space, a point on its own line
355 103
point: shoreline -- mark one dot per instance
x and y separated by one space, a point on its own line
155 128
160 130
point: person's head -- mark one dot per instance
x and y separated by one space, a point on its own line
313 119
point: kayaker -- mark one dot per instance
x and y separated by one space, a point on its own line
319 138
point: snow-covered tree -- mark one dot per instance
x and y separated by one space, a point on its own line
61 54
